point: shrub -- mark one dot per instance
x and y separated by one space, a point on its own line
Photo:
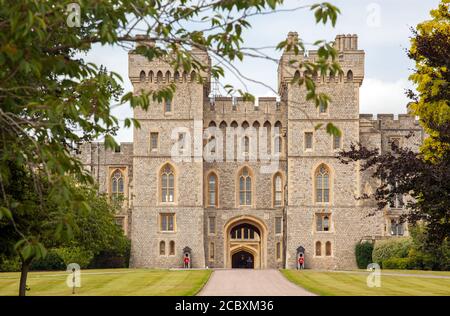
9 264
363 252
52 261
391 248
75 254
397 263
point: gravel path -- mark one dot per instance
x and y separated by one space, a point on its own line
243 282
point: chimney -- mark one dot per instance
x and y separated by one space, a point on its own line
292 38
337 43
354 42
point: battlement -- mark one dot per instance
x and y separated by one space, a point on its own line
161 70
350 58
388 121
235 106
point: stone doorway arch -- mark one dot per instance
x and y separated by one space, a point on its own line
246 235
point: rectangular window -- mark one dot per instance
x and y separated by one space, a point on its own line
322 108
211 251
336 142
278 251
154 141
167 222
308 140
212 225
323 222
278 225
168 105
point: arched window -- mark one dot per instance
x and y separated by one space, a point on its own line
246 145
268 129
193 76
322 184
328 248
162 248
318 248
184 76
150 76
245 187
172 248
167 184
332 76
212 190
168 76
142 76
176 76
278 144
350 75
117 184
159 77
277 190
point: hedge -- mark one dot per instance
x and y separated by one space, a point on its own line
363 252
397 263
391 248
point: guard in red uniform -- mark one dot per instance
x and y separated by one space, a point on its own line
186 262
301 262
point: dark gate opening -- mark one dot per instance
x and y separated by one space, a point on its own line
243 260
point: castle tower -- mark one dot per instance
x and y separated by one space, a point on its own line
323 215
168 196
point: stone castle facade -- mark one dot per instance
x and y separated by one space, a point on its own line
245 211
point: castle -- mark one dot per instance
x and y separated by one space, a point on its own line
264 199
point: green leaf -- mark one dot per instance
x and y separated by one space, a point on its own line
333 130
5 212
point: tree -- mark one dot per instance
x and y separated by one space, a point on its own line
424 176
51 99
94 229
430 47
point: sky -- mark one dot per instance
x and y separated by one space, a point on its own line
383 29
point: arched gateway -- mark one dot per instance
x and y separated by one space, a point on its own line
245 243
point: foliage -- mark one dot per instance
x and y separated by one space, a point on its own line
52 261
391 248
108 260
75 254
424 176
430 47
428 256
9 264
51 99
397 263
363 253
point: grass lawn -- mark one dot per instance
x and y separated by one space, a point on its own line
348 283
110 282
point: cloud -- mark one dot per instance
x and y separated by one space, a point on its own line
377 96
